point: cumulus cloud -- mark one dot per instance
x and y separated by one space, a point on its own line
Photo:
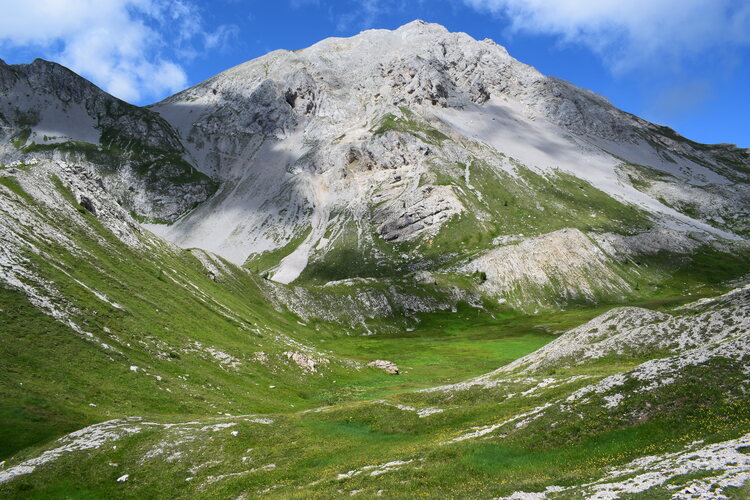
134 49
631 33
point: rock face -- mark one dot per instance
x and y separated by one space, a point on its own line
47 111
387 366
389 155
566 260
368 147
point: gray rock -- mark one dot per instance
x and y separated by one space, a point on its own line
387 366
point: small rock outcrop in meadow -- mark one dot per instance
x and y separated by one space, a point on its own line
387 366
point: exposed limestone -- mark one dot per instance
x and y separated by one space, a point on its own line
307 362
387 366
566 262
375 470
632 330
649 243
722 466
721 204
362 302
226 361
424 211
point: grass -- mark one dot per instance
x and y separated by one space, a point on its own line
531 204
51 375
350 257
364 434
264 261
32 410
444 348
150 288
410 123
12 184
20 138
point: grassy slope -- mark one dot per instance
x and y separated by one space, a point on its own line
709 406
45 391
160 319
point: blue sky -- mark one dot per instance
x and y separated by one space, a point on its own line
681 63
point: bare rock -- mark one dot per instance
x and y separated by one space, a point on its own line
305 361
387 366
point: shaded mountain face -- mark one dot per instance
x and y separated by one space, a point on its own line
418 149
47 111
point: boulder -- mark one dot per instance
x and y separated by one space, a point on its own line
387 366
304 361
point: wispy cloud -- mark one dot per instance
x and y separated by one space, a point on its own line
632 33
362 16
134 49
352 15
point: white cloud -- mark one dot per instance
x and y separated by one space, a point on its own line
630 33
134 49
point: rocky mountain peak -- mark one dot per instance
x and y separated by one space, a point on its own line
379 135
379 132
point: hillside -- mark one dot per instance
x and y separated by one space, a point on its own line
205 298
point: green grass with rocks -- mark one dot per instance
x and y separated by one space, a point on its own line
201 358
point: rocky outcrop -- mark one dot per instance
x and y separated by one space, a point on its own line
563 265
637 332
418 213
307 362
387 366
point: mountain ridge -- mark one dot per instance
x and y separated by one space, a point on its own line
321 127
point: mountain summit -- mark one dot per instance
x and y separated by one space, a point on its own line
360 151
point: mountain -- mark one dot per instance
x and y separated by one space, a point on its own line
49 111
419 149
396 264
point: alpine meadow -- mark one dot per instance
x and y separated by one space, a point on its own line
401 264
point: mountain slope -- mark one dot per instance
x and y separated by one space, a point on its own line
102 319
49 111
552 434
392 152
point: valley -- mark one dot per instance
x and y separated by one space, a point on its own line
203 298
